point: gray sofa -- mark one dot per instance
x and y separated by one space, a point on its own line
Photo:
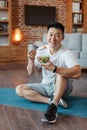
76 42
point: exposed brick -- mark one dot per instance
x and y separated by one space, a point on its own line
33 33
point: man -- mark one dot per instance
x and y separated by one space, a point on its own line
57 73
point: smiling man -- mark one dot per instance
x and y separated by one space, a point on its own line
57 73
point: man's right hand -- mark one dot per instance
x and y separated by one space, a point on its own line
31 55
31 58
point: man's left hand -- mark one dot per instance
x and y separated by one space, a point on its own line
49 66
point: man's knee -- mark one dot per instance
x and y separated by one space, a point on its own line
19 90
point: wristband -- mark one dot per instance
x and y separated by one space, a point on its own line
55 69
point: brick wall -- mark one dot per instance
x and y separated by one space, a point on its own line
33 33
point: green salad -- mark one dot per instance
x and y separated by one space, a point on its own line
43 59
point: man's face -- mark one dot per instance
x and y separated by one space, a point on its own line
54 37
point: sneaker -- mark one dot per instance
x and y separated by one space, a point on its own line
62 103
51 114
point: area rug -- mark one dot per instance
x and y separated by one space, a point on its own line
77 105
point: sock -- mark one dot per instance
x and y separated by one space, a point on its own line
49 100
56 103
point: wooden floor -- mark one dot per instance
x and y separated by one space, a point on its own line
12 118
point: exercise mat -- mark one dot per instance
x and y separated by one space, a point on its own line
77 105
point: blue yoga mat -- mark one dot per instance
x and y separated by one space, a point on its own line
77 105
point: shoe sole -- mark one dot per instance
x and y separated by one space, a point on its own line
45 120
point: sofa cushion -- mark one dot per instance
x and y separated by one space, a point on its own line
44 38
65 40
82 62
32 47
75 41
38 43
77 53
83 54
84 42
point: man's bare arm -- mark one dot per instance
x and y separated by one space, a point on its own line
31 58
74 72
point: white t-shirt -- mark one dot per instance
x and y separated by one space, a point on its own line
62 58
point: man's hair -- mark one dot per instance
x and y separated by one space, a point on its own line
56 25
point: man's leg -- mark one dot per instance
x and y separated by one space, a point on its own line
32 95
51 113
60 86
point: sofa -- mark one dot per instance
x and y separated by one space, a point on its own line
76 42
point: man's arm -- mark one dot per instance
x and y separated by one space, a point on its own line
31 58
73 72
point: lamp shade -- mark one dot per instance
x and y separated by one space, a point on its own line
17 36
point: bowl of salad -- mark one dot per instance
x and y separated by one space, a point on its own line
43 59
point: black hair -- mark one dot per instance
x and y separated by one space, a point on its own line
56 25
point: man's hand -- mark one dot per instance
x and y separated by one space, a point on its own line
31 55
31 58
49 65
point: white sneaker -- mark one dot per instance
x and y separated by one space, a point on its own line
62 103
